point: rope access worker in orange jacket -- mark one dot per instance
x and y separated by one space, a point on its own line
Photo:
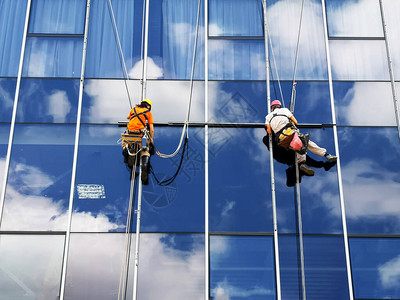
140 117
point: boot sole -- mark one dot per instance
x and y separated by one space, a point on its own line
308 171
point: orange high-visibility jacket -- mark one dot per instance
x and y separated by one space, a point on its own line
141 113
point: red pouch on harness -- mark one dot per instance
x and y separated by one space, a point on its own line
296 143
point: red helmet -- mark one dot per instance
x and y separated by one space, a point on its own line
276 102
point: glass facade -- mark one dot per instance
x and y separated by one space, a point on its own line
233 224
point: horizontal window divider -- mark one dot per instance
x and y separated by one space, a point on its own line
216 37
374 235
375 298
228 125
311 234
56 35
356 38
141 232
32 232
236 233
43 123
54 78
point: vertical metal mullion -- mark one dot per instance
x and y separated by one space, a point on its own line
390 65
75 159
206 187
271 159
300 230
339 170
140 189
14 114
146 41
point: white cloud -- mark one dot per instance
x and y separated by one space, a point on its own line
153 70
26 209
362 191
389 273
110 102
165 271
346 17
58 105
228 208
157 263
283 19
225 290
6 99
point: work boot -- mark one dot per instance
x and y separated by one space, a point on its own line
306 169
329 164
330 157
145 170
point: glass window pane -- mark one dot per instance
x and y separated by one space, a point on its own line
364 103
311 99
7 93
240 199
358 60
354 18
12 21
107 101
103 56
57 16
284 19
178 207
94 266
171 100
39 180
48 101
235 18
370 164
30 266
236 59
391 9
100 163
100 169
376 267
242 267
53 57
237 102
325 267
320 204
172 33
4 135
171 267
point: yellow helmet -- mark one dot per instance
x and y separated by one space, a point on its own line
147 101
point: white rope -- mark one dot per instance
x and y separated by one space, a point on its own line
125 259
126 76
185 128
292 97
276 68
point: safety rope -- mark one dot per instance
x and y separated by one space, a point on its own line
168 181
185 128
274 59
293 95
121 53
125 260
